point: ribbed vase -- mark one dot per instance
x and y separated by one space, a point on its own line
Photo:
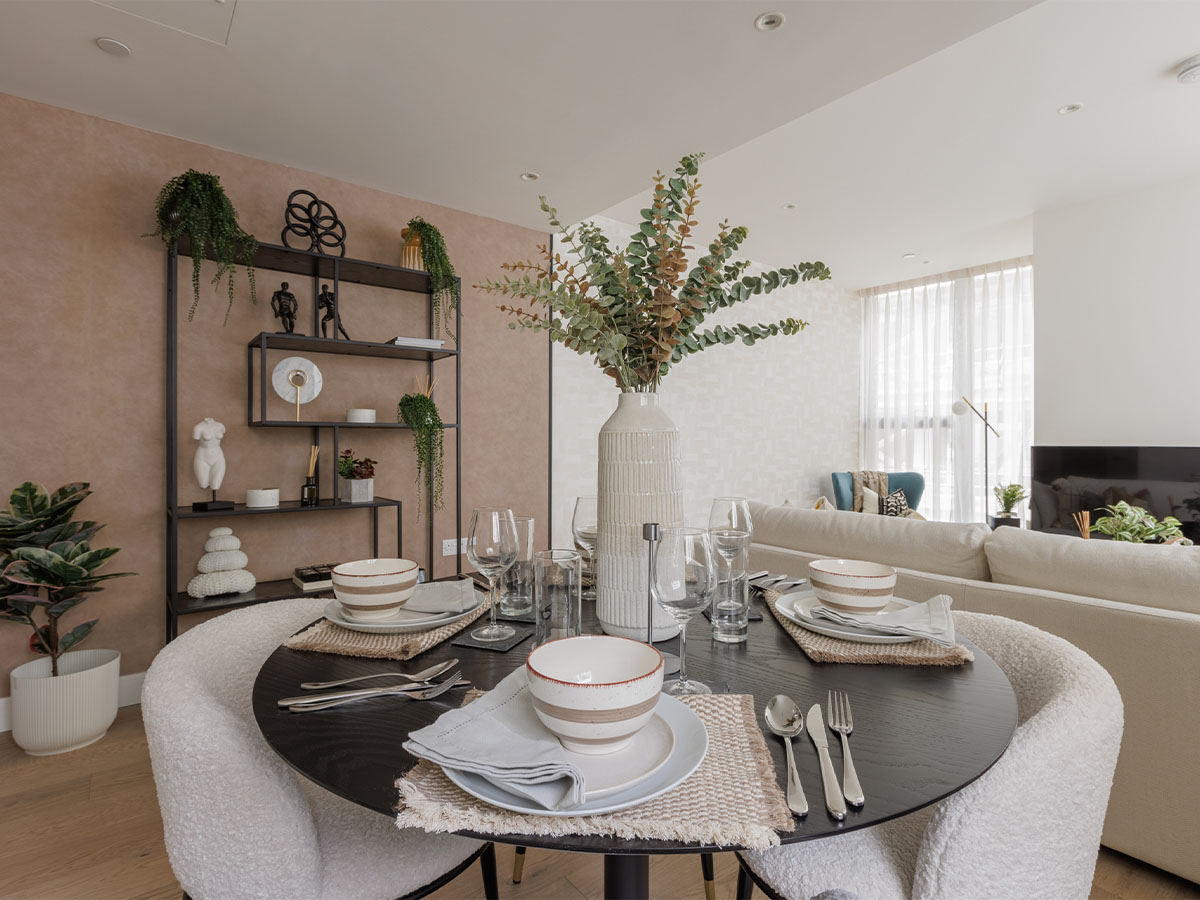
54 714
639 482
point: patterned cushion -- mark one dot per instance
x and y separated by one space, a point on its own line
894 504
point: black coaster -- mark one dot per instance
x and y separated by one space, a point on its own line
527 618
465 640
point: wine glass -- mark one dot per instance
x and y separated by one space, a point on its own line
731 529
492 550
683 586
585 531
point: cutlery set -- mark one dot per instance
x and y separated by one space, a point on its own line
784 719
418 686
762 581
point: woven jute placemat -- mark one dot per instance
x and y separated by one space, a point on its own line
328 637
732 799
821 648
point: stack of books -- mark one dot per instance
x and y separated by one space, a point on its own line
314 578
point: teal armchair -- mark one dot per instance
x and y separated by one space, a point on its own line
912 483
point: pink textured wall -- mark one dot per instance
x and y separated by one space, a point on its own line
82 320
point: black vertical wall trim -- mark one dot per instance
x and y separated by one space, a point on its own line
550 424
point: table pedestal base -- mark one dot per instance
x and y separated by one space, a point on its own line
626 877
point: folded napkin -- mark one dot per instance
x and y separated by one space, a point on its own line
500 737
442 597
931 620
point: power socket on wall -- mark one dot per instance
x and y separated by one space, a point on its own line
448 547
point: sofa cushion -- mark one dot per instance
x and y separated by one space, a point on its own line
1166 577
942 548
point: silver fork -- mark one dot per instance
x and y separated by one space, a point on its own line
426 694
842 723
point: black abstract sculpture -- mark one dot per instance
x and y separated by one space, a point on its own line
309 218
285 305
327 301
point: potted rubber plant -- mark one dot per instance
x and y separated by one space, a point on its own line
68 698
1008 496
358 477
420 413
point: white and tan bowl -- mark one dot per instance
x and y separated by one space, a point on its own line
851 585
595 692
374 588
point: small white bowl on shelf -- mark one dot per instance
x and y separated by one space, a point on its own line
851 585
374 588
360 415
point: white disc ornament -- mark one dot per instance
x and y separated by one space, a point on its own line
296 380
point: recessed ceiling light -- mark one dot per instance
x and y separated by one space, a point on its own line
1188 71
789 206
1069 108
769 21
530 176
924 262
113 46
909 256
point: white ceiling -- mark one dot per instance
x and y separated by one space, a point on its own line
895 125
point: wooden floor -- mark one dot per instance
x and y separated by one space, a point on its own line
86 825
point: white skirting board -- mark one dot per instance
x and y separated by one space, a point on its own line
129 693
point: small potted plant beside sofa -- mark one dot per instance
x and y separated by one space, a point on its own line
1008 496
358 477
1134 525
68 698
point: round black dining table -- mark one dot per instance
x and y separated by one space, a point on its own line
920 732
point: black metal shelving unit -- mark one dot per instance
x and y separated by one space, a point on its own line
320 268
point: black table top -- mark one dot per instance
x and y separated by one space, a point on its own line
921 732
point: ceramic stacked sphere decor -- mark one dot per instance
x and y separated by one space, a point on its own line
222 567
639 481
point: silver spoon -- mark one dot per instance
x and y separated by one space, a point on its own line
784 719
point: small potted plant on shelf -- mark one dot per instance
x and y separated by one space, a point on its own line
1134 525
420 413
358 477
68 698
430 247
1008 496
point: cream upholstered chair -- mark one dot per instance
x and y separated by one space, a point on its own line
1027 828
237 821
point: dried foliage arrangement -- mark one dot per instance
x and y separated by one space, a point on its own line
638 311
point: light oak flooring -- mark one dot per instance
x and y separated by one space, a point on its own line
86 825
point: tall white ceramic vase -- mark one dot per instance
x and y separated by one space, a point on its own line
639 482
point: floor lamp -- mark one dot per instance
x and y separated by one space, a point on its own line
960 408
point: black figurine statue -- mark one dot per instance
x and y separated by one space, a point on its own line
328 302
285 305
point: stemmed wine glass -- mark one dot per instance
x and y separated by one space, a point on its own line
492 550
730 526
683 585
585 531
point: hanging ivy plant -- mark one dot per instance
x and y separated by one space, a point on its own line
195 204
442 281
420 413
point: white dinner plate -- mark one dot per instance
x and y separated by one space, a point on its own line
690 747
607 773
797 607
402 622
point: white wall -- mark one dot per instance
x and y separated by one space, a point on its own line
769 422
1117 319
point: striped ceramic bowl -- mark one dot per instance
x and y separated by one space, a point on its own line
595 692
853 586
374 588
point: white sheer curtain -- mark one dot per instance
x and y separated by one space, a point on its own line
927 343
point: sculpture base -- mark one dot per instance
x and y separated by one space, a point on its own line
212 505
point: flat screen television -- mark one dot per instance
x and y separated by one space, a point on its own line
1165 481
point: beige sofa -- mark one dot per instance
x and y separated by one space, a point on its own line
1135 609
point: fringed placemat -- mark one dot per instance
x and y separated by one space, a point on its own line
732 799
327 637
822 648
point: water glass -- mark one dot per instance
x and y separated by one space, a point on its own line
557 579
516 587
731 612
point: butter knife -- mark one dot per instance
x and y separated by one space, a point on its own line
834 801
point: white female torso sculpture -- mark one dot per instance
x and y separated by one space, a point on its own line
209 462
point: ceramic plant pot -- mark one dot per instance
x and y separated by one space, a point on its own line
56 713
358 490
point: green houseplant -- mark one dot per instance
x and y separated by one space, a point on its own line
195 204
435 260
1008 496
47 568
1134 525
358 477
420 413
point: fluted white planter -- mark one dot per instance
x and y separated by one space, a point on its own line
639 482
54 714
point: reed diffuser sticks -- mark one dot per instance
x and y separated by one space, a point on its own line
1083 521
313 453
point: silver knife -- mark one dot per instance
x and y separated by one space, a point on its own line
834 801
360 692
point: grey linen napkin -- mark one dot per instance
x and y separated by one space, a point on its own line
500 737
441 597
931 620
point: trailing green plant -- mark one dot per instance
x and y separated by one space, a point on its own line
638 311
48 566
1135 525
443 283
420 413
357 468
195 204
1008 496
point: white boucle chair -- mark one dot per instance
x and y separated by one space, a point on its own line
1028 828
237 821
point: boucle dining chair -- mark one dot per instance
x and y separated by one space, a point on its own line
237 821
1027 828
